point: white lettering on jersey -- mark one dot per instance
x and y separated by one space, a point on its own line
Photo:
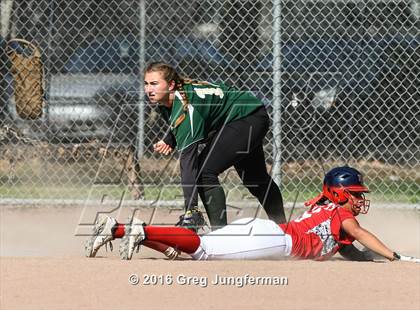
304 216
323 231
202 92
316 209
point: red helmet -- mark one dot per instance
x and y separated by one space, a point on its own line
342 184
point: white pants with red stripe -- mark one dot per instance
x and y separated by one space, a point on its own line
245 239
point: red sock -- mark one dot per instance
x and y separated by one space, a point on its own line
118 231
180 238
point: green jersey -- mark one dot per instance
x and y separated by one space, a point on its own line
203 107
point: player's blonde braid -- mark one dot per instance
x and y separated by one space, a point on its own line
179 86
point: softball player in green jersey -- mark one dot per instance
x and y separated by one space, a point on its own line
231 124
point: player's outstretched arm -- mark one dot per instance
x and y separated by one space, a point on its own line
369 240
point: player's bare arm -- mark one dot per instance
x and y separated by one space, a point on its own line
369 240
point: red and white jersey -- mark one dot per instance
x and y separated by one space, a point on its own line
316 234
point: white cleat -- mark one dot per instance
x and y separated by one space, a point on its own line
102 234
134 235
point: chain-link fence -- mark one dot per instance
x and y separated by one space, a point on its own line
340 79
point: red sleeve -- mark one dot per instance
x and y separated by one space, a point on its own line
338 217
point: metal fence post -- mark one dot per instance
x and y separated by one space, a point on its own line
276 173
140 138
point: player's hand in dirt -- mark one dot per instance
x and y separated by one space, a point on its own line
162 148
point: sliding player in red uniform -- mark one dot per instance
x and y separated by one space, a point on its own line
327 227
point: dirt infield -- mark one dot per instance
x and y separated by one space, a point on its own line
42 267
